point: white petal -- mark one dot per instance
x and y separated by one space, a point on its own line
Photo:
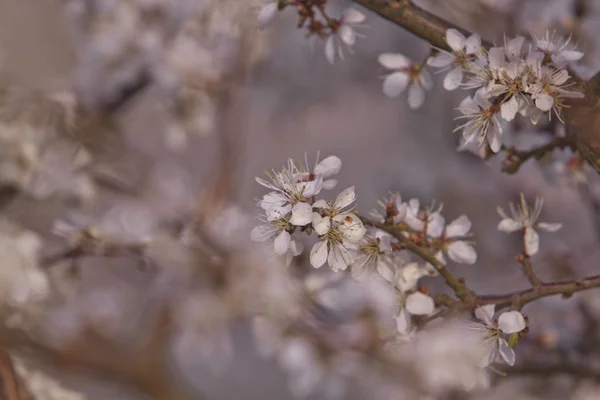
435 226
510 108
347 35
330 49
386 270
509 225
462 252
403 322
458 227
566 56
395 83
493 138
455 39
282 243
532 241
267 15
419 304
353 16
320 224
345 198
320 204
351 227
544 101
330 184
560 78
416 96
313 188
511 322
441 60
473 44
301 214
453 79
276 213
496 57
513 47
409 276
486 313
506 352
296 247
425 80
262 233
328 167
339 258
394 61
318 254
549 227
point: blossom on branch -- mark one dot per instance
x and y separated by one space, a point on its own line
524 218
408 74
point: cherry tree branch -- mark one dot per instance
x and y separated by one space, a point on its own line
469 300
416 20
516 158
457 284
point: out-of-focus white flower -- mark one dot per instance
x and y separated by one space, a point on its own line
463 52
493 345
416 303
524 218
407 74
482 121
557 50
344 34
459 250
24 284
267 14
339 232
447 359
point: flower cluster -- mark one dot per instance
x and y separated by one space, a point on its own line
514 78
339 33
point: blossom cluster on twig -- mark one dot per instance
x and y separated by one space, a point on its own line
376 249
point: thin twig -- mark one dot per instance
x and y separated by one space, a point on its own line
525 261
517 158
457 284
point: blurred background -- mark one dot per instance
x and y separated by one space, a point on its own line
297 103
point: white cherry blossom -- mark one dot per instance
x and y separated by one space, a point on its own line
339 232
524 218
415 77
494 346
344 35
463 53
290 195
374 250
482 122
557 50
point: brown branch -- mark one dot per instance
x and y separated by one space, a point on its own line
457 284
515 159
414 19
11 385
469 300
549 370
525 261
521 298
